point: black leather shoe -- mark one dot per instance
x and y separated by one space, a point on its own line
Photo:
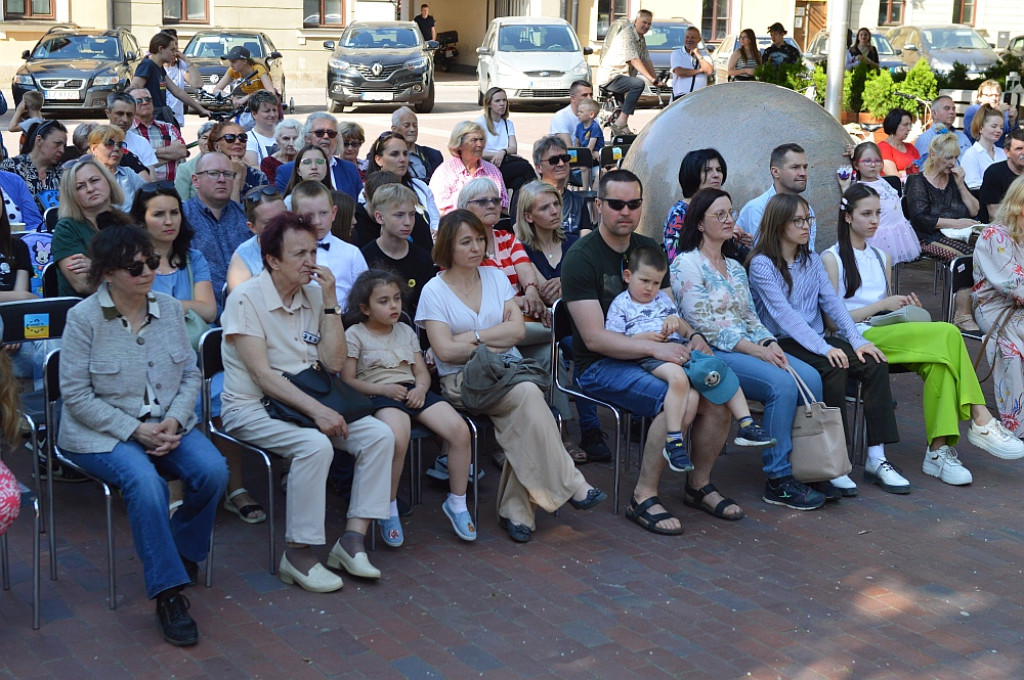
594 496
178 625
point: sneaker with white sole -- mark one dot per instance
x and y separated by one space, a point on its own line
996 439
946 465
439 470
885 475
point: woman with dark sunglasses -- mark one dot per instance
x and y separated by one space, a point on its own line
129 380
106 144
230 139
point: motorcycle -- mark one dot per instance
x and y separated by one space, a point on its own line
447 52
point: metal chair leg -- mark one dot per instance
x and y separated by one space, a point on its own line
111 574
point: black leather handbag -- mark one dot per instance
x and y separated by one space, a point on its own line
328 389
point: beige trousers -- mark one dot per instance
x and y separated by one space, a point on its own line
370 442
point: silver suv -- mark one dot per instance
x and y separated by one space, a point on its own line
943 44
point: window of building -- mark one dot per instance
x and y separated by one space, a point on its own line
963 12
323 12
715 21
28 9
607 12
890 12
186 11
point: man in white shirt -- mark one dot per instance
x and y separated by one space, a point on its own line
690 66
564 122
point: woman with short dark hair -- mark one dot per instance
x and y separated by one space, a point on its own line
898 157
699 169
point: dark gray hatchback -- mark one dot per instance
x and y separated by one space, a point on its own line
380 62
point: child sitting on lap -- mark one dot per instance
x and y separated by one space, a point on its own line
644 311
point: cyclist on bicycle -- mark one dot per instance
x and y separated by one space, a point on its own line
624 60
253 77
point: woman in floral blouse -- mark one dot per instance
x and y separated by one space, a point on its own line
998 298
713 295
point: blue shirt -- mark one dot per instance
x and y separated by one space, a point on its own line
750 215
177 285
19 204
583 135
217 239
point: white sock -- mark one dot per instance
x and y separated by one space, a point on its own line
876 454
457 503
394 508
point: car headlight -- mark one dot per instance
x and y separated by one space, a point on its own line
24 80
580 69
339 64
415 64
105 80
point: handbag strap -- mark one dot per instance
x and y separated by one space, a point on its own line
1001 320
802 388
885 274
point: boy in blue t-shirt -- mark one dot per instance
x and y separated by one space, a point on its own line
588 134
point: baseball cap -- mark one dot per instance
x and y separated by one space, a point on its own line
777 27
237 52
712 377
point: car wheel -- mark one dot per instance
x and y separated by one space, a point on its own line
334 106
479 98
427 105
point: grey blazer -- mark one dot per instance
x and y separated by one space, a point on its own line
104 368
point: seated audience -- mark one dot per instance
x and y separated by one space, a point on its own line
310 164
387 154
466 145
699 169
230 139
106 144
500 147
897 155
39 162
261 205
423 160
999 176
183 176
286 134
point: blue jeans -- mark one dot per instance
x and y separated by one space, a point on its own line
159 542
776 389
624 384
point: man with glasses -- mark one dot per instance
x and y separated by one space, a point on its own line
991 93
121 112
167 142
788 166
262 204
551 159
219 222
423 160
321 129
605 361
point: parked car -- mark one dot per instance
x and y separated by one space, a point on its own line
665 36
534 59
942 45
888 57
381 62
730 44
1016 46
77 68
206 50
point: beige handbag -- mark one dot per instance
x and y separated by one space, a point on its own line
819 439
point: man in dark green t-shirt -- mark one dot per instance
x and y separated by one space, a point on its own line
606 366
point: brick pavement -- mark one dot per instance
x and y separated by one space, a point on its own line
921 586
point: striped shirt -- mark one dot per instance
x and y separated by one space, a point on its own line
798 315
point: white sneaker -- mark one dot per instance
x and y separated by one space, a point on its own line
886 476
945 465
846 486
996 439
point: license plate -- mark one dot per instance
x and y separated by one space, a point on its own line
61 94
377 96
544 83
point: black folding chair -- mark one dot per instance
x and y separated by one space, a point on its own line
28 500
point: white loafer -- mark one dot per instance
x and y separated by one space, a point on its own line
318 580
357 566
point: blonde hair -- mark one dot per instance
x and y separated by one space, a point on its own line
942 146
101 133
310 189
1010 209
588 105
985 111
461 130
69 199
391 195
10 405
525 230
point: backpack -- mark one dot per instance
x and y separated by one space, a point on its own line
38 243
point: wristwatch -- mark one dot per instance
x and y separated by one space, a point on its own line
333 310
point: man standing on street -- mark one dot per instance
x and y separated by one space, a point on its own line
426 23
780 52
690 66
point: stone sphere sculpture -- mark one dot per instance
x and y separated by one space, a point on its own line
744 121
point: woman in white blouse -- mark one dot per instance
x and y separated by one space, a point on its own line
987 128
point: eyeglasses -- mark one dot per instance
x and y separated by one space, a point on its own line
724 216
617 205
488 202
870 161
231 138
320 133
266 191
801 222
135 268
218 174
988 94
111 143
353 143
559 159
313 161
143 100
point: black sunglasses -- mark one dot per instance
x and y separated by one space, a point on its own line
560 158
113 142
157 187
268 191
231 137
135 268
353 144
617 204
320 133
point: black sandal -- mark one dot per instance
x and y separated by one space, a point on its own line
694 498
638 512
